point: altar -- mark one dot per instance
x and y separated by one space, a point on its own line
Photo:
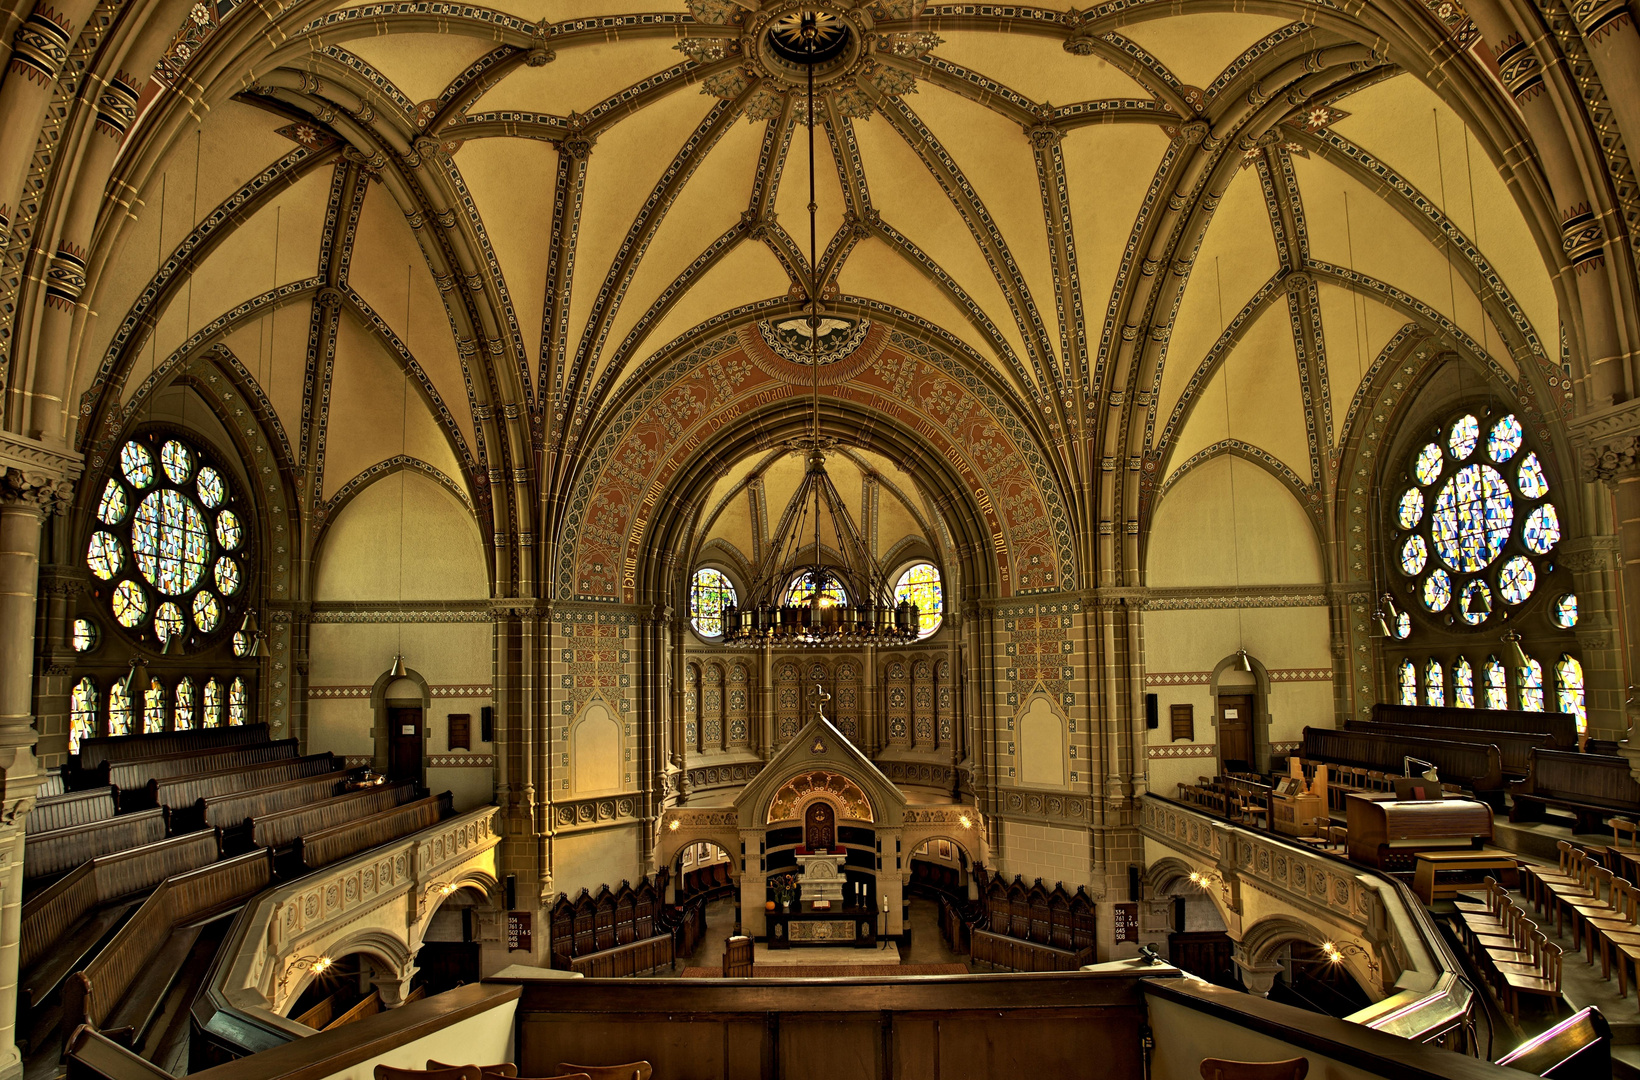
855 927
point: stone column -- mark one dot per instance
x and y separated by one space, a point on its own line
1593 561
1257 978
35 481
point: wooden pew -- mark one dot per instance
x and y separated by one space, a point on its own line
233 810
62 923
49 853
282 829
130 778
1592 786
1561 727
1013 954
70 809
180 796
51 784
1515 746
331 845
1471 765
1579 1046
93 752
125 985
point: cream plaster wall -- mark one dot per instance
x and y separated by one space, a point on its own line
596 857
1038 850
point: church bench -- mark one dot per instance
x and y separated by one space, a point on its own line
329 845
181 795
233 810
1560 727
51 784
50 853
95 751
1515 746
130 778
633 958
1475 766
70 809
64 921
1592 786
1012 954
281 829
98 992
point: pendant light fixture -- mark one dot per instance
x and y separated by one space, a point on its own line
1516 654
800 598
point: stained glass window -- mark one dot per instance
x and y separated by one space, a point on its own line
1542 530
801 589
1517 579
1475 603
1403 625
1472 517
1533 484
1565 612
1466 432
1414 554
237 710
113 506
1411 508
1529 680
1438 590
1428 467
104 556
84 638
82 713
177 461
1504 439
153 708
130 603
171 529
1497 684
137 464
1569 689
211 714
1409 683
1434 683
1463 684
241 643
119 709
710 591
184 714
920 584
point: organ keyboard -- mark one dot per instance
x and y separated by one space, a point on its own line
1387 832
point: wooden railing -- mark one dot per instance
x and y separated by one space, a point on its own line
48 853
282 829
71 809
328 846
1012 954
52 912
95 751
634 958
234 809
91 995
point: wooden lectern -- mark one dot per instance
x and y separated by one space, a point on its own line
1297 808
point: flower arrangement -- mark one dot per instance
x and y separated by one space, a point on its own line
784 887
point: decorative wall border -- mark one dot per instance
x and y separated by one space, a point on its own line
446 690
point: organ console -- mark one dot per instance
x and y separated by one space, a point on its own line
1387 832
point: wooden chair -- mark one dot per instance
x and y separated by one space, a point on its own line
505 1068
453 1072
1623 827
1598 905
632 1070
1222 1069
1543 983
1536 880
560 1076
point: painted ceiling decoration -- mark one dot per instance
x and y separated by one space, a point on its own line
1065 255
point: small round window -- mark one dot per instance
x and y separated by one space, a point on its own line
710 591
920 584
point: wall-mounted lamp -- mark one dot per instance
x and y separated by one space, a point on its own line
674 824
965 821
1335 953
1206 879
317 964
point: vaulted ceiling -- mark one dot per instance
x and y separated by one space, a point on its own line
1160 231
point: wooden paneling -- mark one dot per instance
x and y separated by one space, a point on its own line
48 853
332 845
94 752
236 807
1561 727
1472 765
281 829
72 808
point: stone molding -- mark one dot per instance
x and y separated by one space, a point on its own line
581 814
37 475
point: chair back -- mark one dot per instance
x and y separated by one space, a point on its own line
1565 849
504 1068
454 1072
1549 965
1223 1069
1623 827
632 1070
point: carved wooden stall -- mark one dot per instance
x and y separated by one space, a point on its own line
626 931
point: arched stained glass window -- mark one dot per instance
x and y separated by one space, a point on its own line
153 708
119 709
237 707
1569 689
1529 681
920 584
710 591
1409 683
82 713
184 713
801 589
1497 684
1565 613
1463 684
211 714
1434 683
172 542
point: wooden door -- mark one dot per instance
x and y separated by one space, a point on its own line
819 827
404 744
1209 954
1236 731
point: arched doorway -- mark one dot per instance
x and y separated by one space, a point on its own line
706 890
350 988
451 952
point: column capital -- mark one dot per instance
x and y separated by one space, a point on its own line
1608 441
37 475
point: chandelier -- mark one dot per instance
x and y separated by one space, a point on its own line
801 599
